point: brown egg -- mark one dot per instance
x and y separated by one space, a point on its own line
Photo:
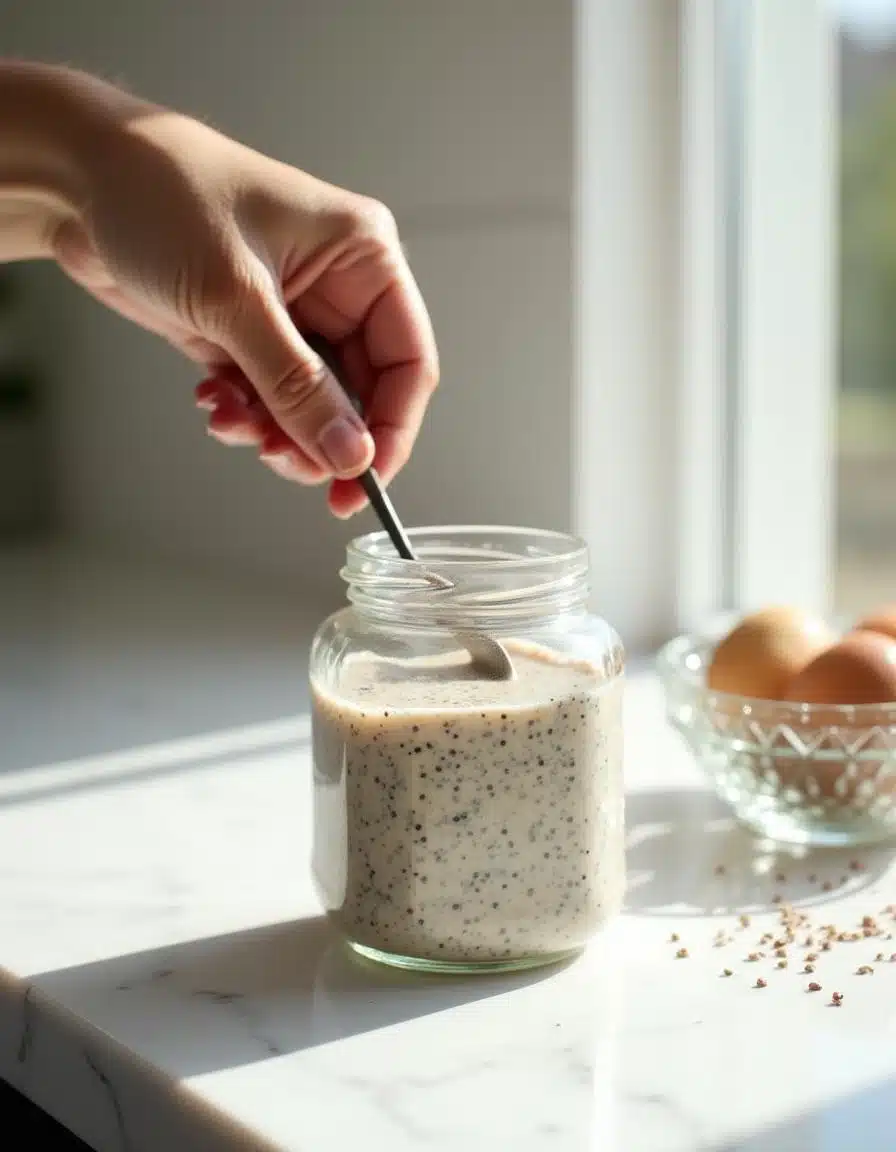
766 650
859 669
882 620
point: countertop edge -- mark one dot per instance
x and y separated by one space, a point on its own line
100 1090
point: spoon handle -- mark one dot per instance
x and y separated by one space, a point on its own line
382 506
369 480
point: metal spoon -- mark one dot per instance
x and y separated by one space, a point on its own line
489 658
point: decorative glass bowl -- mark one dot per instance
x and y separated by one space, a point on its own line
795 773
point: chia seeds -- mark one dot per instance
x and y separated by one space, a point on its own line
462 820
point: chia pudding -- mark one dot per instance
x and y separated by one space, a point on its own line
464 821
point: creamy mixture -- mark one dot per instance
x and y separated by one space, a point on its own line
464 820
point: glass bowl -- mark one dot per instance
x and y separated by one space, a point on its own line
796 773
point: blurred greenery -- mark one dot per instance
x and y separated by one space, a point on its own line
866 423
868 245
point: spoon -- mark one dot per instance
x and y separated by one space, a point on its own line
489 658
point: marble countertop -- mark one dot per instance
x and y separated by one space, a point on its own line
167 980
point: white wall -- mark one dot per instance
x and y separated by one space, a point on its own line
460 116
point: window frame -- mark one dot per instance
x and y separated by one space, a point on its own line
625 288
759 249
704 245
784 456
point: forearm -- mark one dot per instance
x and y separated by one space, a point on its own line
51 121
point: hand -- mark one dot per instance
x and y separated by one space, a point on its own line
230 256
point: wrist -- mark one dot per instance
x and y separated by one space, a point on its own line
55 124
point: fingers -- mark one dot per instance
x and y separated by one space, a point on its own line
285 458
347 497
397 370
212 392
389 356
392 364
297 389
238 418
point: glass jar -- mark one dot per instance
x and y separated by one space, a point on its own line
460 823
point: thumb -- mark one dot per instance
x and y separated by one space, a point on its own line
297 388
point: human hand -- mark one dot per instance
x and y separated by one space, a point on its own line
231 256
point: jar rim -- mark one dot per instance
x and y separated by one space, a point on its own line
377 546
482 576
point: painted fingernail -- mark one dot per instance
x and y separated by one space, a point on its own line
283 465
292 464
233 437
210 393
207 395
346 446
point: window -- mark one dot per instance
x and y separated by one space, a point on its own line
758 255
866 438
707 258
805 302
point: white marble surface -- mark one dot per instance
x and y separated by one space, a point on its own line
167 982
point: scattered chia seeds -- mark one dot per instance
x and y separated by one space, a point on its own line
812 936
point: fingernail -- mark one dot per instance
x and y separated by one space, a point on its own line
207 395
346 446
285 464
282 464
232 437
